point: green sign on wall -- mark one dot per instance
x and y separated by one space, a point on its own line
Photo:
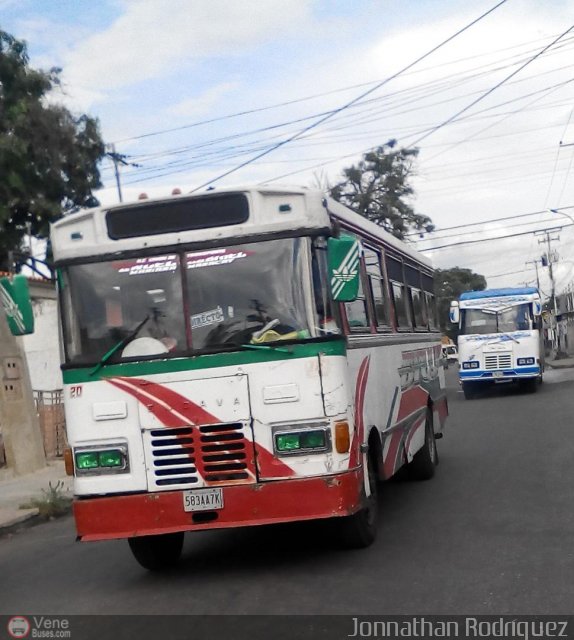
15 298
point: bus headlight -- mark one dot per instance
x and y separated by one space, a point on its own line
524 361
301 441
470 364
97 460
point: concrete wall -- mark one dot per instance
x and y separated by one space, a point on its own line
42 347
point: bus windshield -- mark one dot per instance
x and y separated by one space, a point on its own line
190 301
483 321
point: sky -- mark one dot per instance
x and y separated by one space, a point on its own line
188 90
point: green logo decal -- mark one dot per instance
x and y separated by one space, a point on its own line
15 298
344 253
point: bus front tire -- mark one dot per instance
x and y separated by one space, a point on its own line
469 389
425 460
156 553
360 530
530 385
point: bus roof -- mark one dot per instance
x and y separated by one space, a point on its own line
498 293
361 223
269 210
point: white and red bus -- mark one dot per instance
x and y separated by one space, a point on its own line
241 357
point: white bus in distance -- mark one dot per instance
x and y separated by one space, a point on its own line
500 338
241 357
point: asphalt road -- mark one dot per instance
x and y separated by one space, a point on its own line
492 533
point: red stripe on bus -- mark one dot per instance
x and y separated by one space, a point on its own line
411 400
358 435
195 414
268 464
390 458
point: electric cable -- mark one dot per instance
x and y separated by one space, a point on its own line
350 103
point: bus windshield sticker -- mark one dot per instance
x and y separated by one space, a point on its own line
141 266
207 318
215 257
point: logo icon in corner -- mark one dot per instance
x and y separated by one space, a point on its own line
18 627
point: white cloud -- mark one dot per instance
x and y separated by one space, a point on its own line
152 37
200 105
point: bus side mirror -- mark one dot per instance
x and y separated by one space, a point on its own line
536 308
17 304
454 313
343 255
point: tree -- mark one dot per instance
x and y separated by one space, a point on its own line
449 284
48 157
378 188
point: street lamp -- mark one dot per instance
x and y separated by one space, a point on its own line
561 213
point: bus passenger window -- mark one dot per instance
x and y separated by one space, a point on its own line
430 302
378 289
400 302
357 314
418 309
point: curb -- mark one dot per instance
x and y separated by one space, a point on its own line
27 522
11 519
556 365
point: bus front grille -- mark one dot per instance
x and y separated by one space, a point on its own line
498 361
184 457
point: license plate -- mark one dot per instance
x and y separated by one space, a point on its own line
497 374
203 499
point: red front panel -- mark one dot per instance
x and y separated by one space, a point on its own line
244 505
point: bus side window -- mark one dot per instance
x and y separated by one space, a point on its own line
430 301
398 292
400 304
414 297
357 311
328 317
419 316
379 295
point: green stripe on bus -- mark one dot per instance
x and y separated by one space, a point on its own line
211 361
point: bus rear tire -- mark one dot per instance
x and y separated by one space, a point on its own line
425 460
360 530
156 553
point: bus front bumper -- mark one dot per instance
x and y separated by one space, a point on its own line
480 375
126 516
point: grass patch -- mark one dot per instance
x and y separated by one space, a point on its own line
53 503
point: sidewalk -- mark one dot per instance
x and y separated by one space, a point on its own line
562 363
18 490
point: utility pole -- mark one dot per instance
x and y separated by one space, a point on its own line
535 263
119 159
550 262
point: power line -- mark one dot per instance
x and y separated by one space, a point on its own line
556 161
350 103
500 275
503 219
356 117
491 90
505 117
510 235
323 94
362 151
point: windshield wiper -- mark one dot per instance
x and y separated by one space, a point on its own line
122 343
267 347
